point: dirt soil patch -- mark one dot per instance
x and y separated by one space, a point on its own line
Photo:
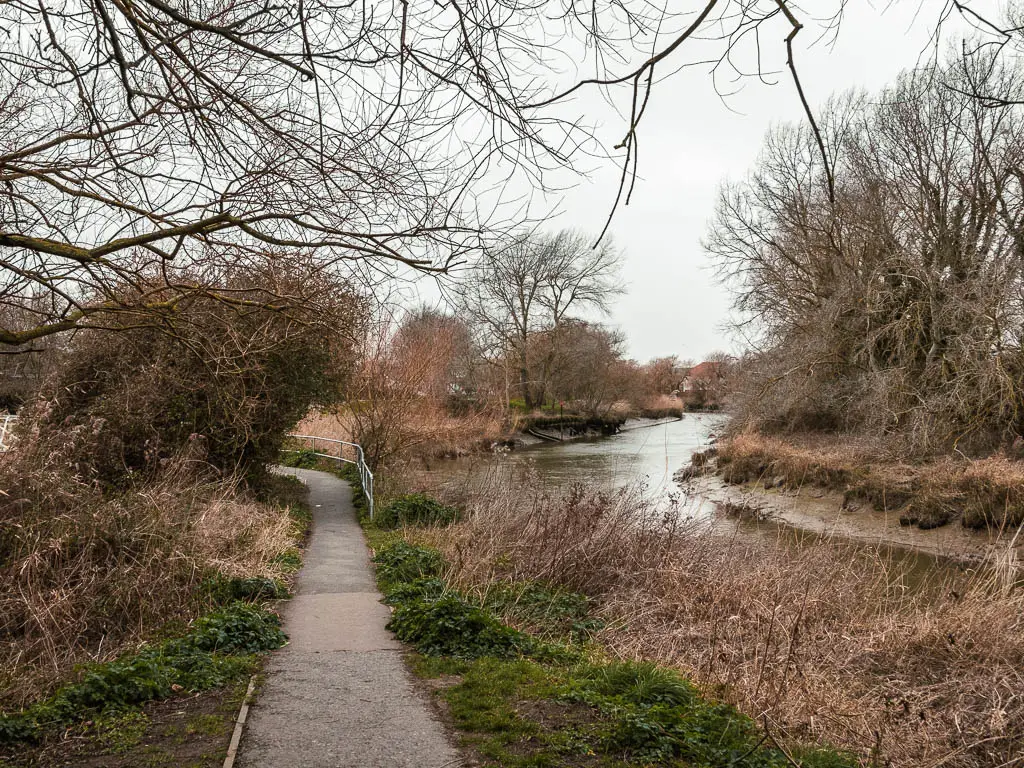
186 732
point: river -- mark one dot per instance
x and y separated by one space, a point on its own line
643 452
652 454
640 452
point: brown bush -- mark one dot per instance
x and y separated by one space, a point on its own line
236 376
827 642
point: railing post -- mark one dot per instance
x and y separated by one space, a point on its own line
365 475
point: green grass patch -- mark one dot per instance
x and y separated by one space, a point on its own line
302 518
223 589
449 626
207 725
415 509
521 712
434 620
350 474
290 560
536 696
219 648
547 612
401 563
119 732
302 458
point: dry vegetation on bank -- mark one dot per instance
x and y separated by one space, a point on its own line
131 501
426 429
819 642
981 493
84 577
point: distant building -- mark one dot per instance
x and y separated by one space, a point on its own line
705 377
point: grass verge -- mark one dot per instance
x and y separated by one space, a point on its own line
542 692
220 648
186 731
170 697
826 642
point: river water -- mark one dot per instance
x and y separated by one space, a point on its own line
648 454
643 452
640 452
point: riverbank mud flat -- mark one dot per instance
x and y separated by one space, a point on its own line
827 513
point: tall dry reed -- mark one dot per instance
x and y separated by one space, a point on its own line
85 575
819 641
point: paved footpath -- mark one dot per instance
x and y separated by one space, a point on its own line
339 694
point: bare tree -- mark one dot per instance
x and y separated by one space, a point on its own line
897 305
398 400
533 284
447 340
589 370
144 140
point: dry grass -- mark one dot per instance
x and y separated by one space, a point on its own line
333 424
825 642
427 430
83 575
982 493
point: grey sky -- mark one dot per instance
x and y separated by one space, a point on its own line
691 140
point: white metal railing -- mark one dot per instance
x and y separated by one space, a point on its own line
5 431
365 475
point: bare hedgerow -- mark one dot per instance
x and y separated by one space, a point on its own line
235 374
84 575
128 484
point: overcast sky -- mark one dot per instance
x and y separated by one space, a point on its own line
691 141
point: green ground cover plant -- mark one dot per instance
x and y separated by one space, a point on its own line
223 589
542 693
415 509
221 647
545 611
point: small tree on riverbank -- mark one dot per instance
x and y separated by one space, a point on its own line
535 284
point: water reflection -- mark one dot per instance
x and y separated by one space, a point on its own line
651 454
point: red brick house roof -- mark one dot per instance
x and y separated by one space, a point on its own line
706 371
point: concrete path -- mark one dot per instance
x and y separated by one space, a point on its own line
339 694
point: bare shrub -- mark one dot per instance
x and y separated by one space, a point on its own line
822 641
128 485
234 375
402 398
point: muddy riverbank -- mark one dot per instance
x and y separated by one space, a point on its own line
827 514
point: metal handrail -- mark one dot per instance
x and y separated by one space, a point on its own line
365 475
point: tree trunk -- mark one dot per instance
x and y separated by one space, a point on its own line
524 384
